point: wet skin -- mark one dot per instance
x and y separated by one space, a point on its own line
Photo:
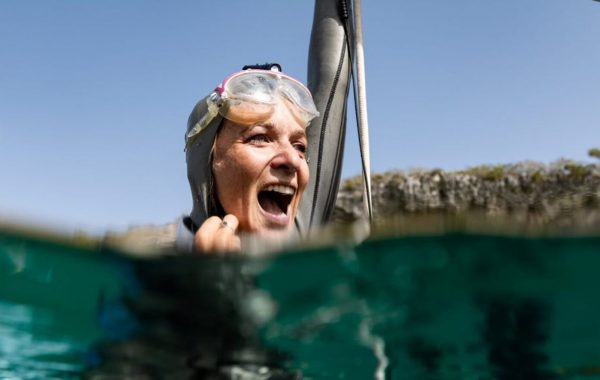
260 172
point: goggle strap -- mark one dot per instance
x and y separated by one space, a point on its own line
211 113
266 66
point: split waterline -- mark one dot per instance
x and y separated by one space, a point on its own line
450 305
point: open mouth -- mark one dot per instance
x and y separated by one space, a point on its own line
276 199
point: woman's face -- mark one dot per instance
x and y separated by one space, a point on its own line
260 171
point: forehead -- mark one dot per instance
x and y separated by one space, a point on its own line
283 120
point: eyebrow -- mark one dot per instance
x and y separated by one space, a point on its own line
301 132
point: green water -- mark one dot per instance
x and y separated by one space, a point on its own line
48 300
452 306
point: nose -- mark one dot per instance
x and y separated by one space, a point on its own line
287 158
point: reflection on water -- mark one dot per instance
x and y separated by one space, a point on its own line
515 333
193 319
29 349
451 306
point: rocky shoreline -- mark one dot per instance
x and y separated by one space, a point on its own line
564 193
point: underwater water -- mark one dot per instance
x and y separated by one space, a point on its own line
445 306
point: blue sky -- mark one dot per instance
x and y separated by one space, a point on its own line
94 96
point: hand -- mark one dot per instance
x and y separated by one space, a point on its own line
218 235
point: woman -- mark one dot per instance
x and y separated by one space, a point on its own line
248 172
251 175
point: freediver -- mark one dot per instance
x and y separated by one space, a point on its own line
189 315
262 158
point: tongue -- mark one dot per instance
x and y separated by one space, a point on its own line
269 204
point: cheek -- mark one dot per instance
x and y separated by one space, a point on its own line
303 176
229 174
222 171
235 172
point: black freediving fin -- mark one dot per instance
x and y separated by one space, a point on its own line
328 78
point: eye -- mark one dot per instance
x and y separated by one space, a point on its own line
300 147
258 139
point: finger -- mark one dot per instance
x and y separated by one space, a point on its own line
235 244
230 221
226 239
222 242
204 240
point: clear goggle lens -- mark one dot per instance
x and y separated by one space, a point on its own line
250 96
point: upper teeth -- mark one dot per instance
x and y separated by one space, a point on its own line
281 189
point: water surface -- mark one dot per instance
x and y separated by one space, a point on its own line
444 306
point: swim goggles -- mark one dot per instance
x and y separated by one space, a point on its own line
250 96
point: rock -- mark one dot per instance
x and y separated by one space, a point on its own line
562 193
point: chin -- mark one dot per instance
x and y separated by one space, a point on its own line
277 232
270 231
